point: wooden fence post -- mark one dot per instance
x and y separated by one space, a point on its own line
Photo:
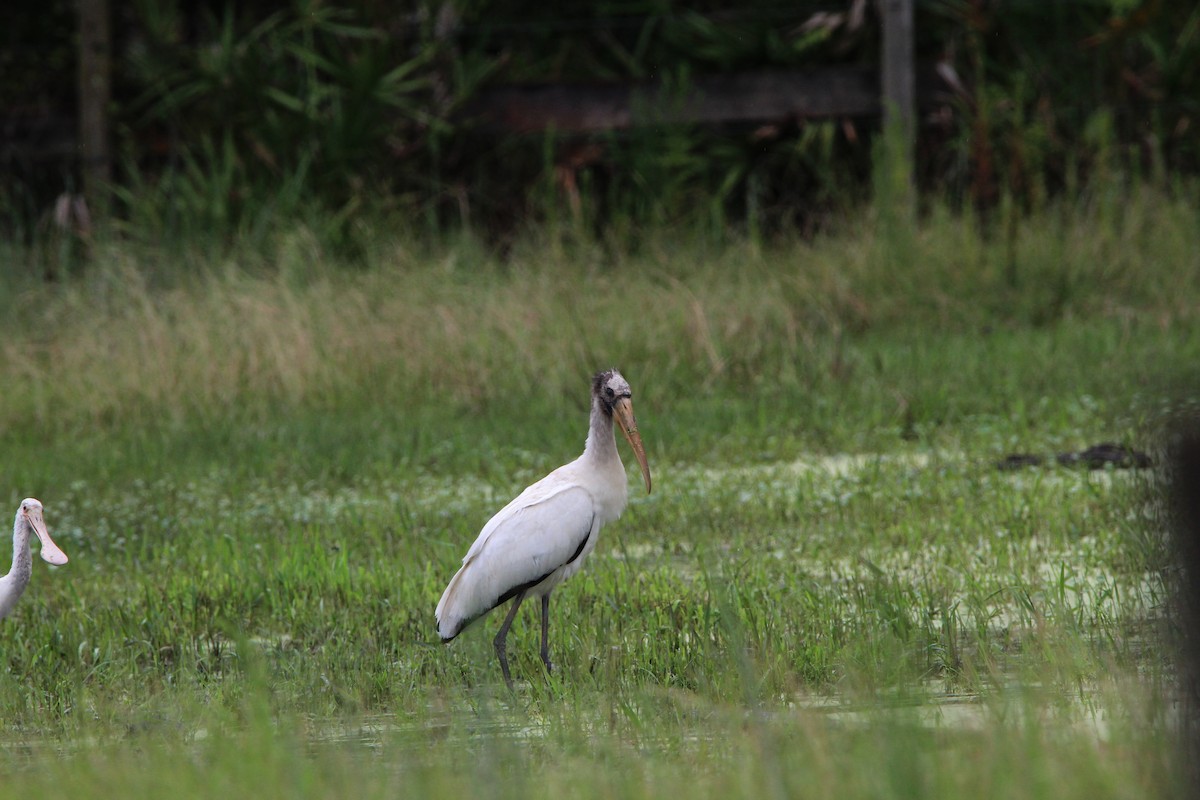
895 194
898 81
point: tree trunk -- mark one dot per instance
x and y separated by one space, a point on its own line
95 88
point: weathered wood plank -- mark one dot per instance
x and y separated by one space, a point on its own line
755 97
845 91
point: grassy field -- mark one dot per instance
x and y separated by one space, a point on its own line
265 467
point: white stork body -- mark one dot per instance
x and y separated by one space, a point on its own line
29 520
542 537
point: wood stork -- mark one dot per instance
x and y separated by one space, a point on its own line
542 537
12 585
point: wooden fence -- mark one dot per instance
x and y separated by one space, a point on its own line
845 91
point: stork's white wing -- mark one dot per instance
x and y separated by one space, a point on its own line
525 542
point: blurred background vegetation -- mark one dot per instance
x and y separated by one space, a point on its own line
239 122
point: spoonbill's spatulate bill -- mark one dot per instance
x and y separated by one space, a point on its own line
29 520
542 537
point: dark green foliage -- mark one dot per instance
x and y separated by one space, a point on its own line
240 119
1057 94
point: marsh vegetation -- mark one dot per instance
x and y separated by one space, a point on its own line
264 467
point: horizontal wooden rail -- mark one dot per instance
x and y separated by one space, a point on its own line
849 91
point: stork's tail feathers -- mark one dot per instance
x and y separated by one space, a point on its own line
448 629
450 615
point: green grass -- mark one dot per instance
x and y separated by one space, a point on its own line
265 476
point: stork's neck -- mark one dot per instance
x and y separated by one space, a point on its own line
601 444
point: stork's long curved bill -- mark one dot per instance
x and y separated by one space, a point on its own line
623 410
51 553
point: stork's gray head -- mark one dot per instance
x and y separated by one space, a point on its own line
612 393
608 387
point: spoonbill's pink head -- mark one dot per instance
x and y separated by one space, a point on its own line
31 514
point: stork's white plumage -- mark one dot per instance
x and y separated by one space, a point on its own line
542 537
29 519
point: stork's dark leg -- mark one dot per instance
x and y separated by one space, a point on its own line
499 641
546 632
